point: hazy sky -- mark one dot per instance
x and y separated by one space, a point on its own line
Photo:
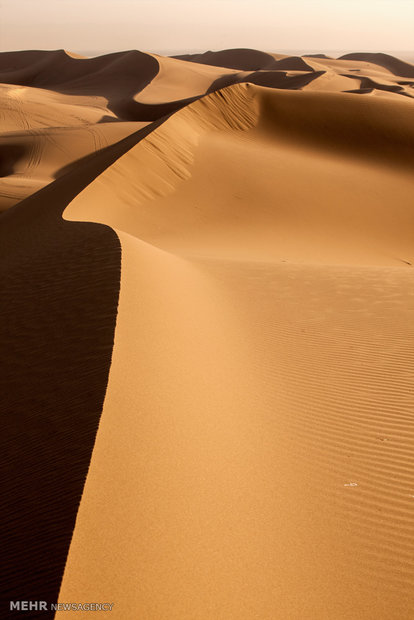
161 25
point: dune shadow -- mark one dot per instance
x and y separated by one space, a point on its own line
367 85
10 155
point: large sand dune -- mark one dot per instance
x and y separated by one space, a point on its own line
207 391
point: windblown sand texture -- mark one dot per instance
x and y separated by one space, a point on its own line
208 334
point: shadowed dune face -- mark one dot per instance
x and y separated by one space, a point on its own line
207 306
57 349
11 153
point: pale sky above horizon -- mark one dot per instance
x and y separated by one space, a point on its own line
162 25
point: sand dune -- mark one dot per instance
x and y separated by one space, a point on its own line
293 144
206 266
58 70
248 60
394 65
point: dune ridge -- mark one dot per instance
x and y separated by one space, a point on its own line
206 264
157 164
54 375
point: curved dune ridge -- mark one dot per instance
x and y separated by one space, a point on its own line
207 389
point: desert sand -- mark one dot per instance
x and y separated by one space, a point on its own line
208 326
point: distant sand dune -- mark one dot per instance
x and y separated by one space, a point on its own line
394 65
207 383
248 60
